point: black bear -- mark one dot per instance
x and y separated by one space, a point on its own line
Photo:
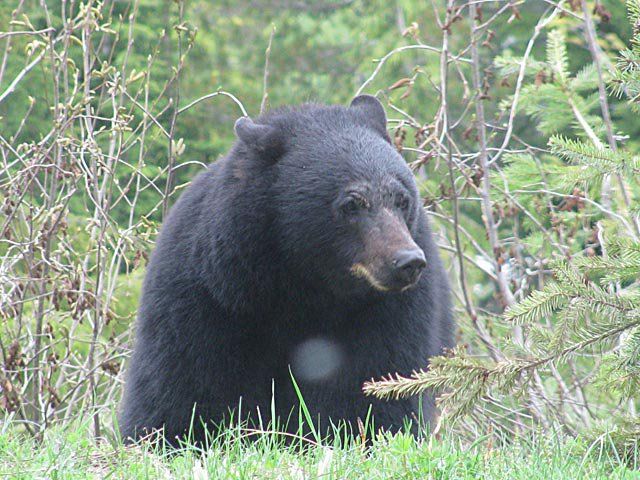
304 253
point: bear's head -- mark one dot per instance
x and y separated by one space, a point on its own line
345 206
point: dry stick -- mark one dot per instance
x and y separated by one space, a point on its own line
541 25
384 59
58 151
265 80
118 252
148 114
86 47
449 248
565 396
104 200
469 238
12 86
533 219
174 117
26 32
596 55
487 208
444 61
201 99
580 407
509 4
444 134
141 155
49 206
39 411
609 213
496 355
606 116
96 194
7 46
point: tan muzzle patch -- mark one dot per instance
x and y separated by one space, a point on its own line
359 270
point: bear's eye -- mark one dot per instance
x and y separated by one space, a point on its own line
402 202
353 204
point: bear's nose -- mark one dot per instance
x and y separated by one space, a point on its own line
408 264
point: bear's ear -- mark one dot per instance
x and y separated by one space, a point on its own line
372 113
266 140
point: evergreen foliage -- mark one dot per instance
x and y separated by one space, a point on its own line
585 315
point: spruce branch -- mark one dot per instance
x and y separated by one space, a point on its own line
602 158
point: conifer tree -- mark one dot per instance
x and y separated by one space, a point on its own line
586 316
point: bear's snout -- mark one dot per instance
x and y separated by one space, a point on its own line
390 261
407 266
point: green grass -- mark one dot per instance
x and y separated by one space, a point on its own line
72 453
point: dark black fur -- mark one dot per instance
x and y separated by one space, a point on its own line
253 260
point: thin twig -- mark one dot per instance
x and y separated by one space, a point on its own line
265 80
